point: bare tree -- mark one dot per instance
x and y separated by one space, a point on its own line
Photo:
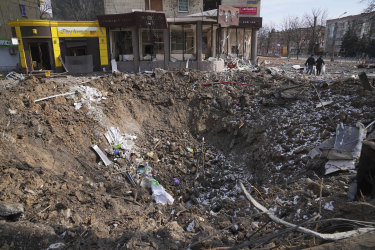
370 5
299 33
316 22
45 9
264 38
77 9
287 32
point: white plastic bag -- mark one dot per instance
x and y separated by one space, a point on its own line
323 69
159 194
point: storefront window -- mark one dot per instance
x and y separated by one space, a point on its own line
247 42
225 41
235 42
152 44
122 45
183 42
207 41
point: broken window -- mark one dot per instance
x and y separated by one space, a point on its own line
210 4
122 46
40 56
183 42
235 42
152 44
154 5
208 40
183 5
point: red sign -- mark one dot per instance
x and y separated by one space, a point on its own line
248 10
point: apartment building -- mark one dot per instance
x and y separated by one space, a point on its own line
13 10
363 24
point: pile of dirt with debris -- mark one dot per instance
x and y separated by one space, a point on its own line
195 133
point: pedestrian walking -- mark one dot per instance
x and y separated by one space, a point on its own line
310 63
319 64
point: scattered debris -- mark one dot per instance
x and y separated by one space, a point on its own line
102 156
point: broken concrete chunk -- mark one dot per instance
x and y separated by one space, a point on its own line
339 165
9 209
346 145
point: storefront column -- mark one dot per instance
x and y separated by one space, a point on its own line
21 50
166 48
199 45
213 40
103 46
56 47
254 42
135 43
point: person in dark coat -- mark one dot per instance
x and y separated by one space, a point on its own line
310 62
319 64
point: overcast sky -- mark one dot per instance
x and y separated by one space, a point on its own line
275 10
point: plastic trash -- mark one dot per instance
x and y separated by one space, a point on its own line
159 194
176 181
190 150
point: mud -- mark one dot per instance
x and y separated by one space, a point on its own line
259 133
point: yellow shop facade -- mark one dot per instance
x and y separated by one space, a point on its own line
80 46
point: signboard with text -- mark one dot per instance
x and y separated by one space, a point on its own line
250 22
78 31
248 10
6 43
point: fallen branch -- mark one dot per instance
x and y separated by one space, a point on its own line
268 238
331 237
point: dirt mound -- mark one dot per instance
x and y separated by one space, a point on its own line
257 127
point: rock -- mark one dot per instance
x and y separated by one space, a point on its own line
9 209
176 231
56 246
173 147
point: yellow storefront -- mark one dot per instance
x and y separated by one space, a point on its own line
46 45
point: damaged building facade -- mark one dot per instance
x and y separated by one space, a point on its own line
185 37
171 34
80 47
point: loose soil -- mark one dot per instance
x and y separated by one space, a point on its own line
259 133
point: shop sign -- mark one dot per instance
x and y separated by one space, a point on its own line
77 31
248 10
251 22
150 20
228 15
6 43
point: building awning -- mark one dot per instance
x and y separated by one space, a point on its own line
140 19
190 20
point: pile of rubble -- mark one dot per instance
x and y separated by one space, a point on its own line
153 160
